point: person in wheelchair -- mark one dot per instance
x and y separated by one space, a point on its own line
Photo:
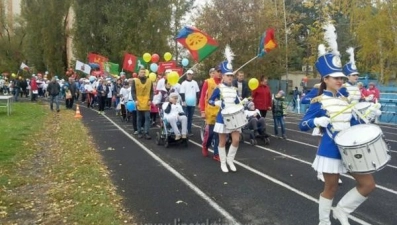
255 121
173 113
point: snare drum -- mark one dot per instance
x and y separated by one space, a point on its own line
363 148
233 117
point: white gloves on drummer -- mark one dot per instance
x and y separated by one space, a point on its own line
373 111
322 121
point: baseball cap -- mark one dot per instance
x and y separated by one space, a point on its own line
212 70
190 72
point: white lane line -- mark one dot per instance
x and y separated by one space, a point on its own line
308 163
193 187
284 185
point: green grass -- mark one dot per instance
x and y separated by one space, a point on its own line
72 185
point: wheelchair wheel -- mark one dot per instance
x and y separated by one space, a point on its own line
158 138
253 142
267 141
166 142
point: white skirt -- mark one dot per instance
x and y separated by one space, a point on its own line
220 128
324 164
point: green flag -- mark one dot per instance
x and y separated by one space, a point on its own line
139 63
112 68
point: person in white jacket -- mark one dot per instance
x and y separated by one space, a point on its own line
173 113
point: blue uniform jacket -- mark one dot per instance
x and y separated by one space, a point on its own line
328 147
216 95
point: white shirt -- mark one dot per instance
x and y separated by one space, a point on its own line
161 85
175 110
190 89
88 87
124 93
240 88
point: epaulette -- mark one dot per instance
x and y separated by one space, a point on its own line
316 99
317 85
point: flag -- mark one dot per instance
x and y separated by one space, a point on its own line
129 62
96 58
85 68
23 66
112 68
139 63
267 42
200 44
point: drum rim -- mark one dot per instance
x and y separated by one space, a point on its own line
370 171
343 132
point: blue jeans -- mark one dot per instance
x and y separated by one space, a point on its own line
145 114
279 121
16 94
54 98
189 111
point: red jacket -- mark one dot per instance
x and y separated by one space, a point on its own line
33 85
262 97
374 91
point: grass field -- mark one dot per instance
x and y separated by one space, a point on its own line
50 171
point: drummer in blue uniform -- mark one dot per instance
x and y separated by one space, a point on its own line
331 112
225 96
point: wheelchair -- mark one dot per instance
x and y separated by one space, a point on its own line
253 137
166 135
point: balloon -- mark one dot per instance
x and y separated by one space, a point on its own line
155 58
147 57
152 77
131 106
167 56
147 73
154 67
191 101
172 78
253 84
13 75
185 62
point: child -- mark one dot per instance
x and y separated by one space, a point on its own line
173 113
255 121
279 113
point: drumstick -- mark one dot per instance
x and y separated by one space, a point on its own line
343 110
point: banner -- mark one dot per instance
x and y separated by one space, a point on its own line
99 59
163 66
85 68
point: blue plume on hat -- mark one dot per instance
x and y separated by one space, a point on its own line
226 66
350 67
329 63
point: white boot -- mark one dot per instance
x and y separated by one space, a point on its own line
230 158
324 208
347 205
222 158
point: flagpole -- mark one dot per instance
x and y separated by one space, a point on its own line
234 72
188 70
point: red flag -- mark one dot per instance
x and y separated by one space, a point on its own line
99 59
163 66
129 62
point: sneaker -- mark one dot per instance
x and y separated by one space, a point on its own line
204 151
147 136
183 136
177 137
216 158
136 132
284 137
140 135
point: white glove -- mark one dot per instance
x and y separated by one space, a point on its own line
218 103
369 98
322 121
316 132
244 101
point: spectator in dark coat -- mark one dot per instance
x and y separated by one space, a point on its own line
53 90
241 85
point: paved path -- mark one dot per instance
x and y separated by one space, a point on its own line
274 183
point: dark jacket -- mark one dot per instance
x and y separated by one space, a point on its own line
53 88
246 92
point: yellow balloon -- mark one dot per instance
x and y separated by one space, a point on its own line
253 83
167 56
152 77
147 57
13 75
147 73
172 78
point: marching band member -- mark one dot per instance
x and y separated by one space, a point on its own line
225 95
331 112
350 70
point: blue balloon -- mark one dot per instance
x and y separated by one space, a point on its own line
191 101
154 67
131 106
185 62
